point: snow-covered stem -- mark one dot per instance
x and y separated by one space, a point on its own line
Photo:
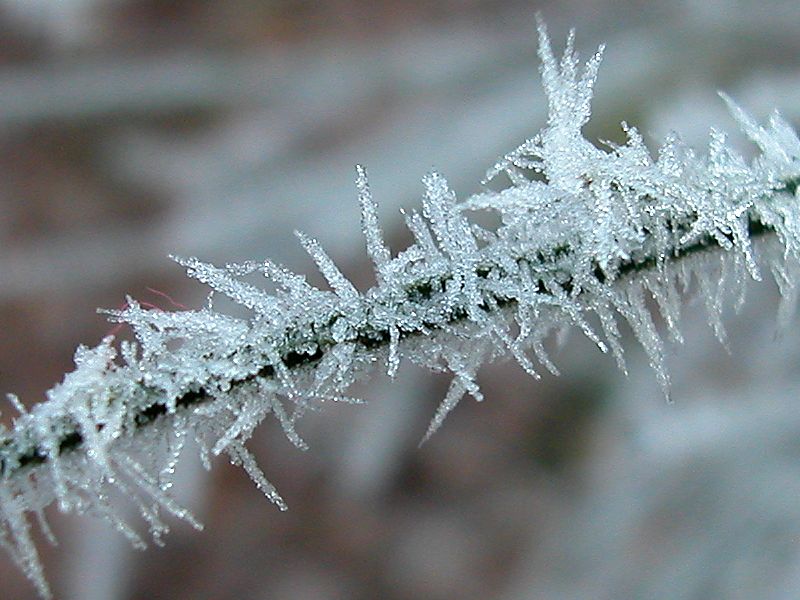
586 234
21 448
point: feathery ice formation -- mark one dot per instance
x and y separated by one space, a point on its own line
586 235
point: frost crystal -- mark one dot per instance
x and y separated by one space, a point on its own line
588 236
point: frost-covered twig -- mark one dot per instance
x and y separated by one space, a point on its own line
586 235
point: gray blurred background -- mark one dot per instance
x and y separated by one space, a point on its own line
133 129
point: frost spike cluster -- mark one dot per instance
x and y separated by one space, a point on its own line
587 234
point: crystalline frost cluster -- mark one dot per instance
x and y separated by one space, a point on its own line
588 235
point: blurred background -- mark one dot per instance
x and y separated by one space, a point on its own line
131 129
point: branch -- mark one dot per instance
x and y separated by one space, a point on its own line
586 233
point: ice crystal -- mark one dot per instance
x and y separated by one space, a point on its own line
588 235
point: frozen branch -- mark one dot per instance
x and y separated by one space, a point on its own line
586 234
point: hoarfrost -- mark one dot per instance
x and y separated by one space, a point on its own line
588 236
